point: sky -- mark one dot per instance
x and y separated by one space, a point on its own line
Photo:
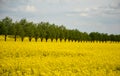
85 15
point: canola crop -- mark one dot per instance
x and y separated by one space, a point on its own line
59 59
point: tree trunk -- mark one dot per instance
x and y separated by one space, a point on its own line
30 39
56 39
36 39
46 39
41 39
15 38
52 40
22 38
60 40
75 40
5 37
68 40
65 39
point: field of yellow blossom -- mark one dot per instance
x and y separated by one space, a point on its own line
59 58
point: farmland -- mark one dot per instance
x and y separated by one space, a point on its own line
59 58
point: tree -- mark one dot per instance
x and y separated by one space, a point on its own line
1 28
12 30
19 30
85 36
112 37
21 27
61 30
21 33
105 37
6 23
57 32
52 32
118 38
70 35
29 30
47 31
36 33
94 36
42 30
77 35
66 33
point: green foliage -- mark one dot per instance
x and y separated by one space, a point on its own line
23 28
5 26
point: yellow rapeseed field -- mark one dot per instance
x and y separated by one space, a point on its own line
59 58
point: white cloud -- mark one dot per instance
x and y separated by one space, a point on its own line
27 8
49 1
69 15
79 12
83 14
104 11
30 8
68 12
87 9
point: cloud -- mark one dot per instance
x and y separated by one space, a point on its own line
17 6
30 8
109 11
83 14
12 3
69 14
24 8
115 4
52 1
58 1
78 12
95 13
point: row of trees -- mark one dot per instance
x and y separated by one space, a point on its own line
23 28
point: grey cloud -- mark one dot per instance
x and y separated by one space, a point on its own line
96 13
13 3
109 9
115 4
112 8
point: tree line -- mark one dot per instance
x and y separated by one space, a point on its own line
23 28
